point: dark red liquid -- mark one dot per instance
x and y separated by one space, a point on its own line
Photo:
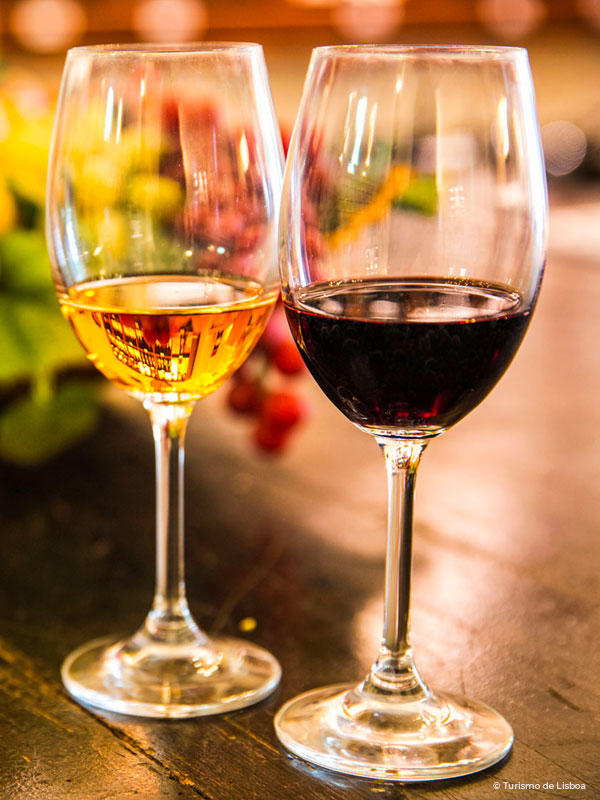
407 355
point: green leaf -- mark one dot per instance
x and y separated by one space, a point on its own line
421 196
34 339
24 262
32 430
14 365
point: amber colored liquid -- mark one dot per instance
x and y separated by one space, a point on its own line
174 338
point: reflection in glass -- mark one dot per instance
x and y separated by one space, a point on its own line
412 249
163 192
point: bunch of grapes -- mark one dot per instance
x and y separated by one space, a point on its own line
263 388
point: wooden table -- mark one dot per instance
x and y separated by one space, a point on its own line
506 587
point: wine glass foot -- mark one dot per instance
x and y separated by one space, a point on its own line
220 675
435 737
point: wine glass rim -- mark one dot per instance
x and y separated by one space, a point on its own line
420 51
151 49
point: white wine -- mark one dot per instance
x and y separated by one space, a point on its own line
178 337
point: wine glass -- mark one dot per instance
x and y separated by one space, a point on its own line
412 240
163 193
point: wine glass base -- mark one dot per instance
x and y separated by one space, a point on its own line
170 681
432 738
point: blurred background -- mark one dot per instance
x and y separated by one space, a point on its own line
562 36
563 39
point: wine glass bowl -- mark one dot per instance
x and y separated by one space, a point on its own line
163 193
412 241
159 167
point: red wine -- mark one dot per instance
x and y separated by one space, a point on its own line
413 355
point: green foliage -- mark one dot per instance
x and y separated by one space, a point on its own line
40 412
34 339
24 263
39 426
420 196
36 344
356 192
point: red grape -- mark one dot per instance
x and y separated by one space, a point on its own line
282 410
269 438
245 397
287 359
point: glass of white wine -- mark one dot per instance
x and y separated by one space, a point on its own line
163 193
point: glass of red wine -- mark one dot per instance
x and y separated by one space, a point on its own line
412 241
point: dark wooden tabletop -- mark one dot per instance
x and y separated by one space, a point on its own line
506 579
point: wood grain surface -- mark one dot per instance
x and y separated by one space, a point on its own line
506 587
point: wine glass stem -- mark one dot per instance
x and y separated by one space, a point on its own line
394 669
170 619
